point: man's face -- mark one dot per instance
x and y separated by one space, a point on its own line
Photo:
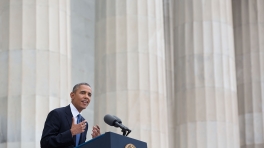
81 97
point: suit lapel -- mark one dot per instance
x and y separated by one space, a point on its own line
68 115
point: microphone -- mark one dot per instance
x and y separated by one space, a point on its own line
117 119
116 122
113 121
110 120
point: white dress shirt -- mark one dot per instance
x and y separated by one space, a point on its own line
75 112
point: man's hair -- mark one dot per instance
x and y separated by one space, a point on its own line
78 85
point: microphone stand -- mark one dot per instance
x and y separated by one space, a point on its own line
125 130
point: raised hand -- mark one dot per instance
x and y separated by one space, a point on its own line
96 131
77 128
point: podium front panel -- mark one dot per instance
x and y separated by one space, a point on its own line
112 140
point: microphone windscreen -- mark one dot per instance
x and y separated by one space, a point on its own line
110 120
117 119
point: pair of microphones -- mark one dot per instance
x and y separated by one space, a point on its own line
116 122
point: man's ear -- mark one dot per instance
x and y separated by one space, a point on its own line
72 94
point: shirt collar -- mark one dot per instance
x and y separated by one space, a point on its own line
74 111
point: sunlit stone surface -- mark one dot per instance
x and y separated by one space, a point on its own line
130 68
35 64
205 76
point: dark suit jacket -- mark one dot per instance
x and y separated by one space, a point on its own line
56 132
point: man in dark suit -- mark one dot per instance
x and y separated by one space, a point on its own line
65 127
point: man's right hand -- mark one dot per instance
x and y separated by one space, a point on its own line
77 128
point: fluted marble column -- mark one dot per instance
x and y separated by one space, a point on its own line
130 68
34 67
248 18
205 82
169 62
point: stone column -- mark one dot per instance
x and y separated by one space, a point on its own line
169 62
34 67
205 82
130 68
249 53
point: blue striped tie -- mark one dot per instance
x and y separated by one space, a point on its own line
78 135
